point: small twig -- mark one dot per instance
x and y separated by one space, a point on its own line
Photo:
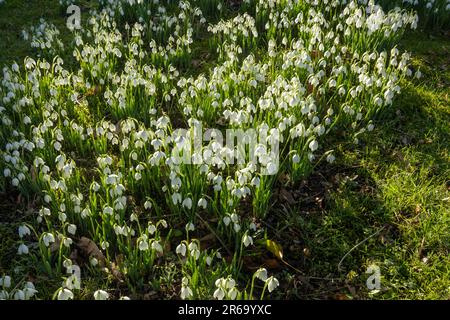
357 245
326 279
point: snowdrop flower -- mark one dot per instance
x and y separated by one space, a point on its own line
4 295
157 246
272 168
187 203
48 238
72 229
151 228
15 67
65 294
148 204
5 281
181 249
194 251
418 73
186 292
255 181
232 293
101 295
230 283
331 158
247 240
72 282
272 283
67 242
134 217
176 198
190 227
313 145
23 249
163 223
226 220
57 146
143 245
202 203
219 294
62 216
261 274
47 198
104 245
29 290
19 295
15 182
24 231
85 213
95 186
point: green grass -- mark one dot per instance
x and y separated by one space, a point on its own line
384 202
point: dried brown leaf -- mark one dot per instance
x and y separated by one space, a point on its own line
287 196
88 249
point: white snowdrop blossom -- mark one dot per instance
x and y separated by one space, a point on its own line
101 295
247 240
261 274
272 283
5 281
48 238
65 294
23 249
24 231
181 249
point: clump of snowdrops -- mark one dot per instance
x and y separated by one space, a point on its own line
97 144
433 13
